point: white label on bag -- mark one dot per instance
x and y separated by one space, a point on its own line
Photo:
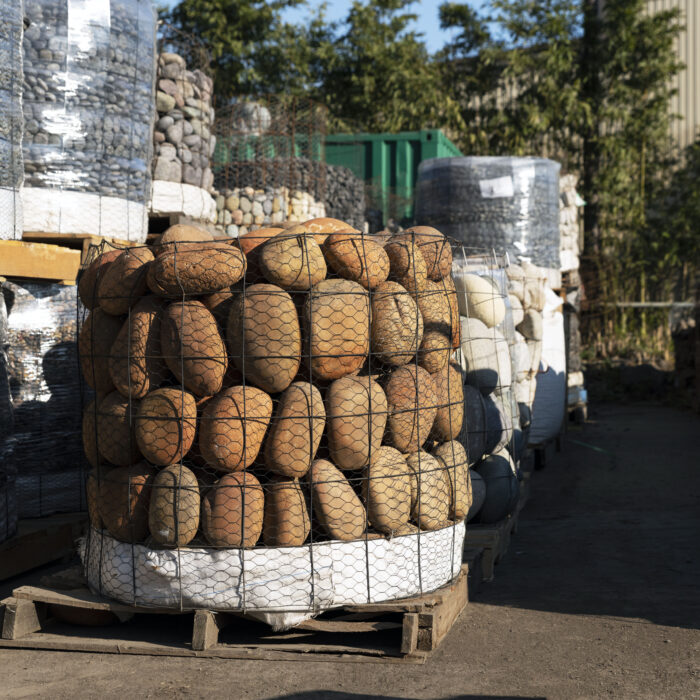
497 187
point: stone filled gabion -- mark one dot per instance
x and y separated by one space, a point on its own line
504 203
183 140
345 196
88 96
245 209
11 118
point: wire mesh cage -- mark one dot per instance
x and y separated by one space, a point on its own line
276 420
11 119
41 443
183 138
492 431
269 164
88 114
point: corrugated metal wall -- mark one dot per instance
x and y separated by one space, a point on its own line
687 101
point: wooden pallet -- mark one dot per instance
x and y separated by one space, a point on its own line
403 630
76 241
545 450
39 261
494 540
39 541
473 557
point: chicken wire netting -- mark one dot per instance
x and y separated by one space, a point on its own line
492 431
269 165
276 419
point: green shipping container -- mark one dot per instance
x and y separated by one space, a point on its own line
388 163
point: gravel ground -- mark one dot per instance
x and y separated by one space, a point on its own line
597 597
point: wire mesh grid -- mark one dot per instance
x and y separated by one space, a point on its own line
88 114
279 421
269 163
11 119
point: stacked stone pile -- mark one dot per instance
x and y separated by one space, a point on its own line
88 99
345 196
251 205
245 209
569 228
183 140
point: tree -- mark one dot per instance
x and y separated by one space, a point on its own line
379 75
589 83
519 91
253 50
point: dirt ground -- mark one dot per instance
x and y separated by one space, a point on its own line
599 596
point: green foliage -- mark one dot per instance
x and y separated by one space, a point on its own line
379 76
253 50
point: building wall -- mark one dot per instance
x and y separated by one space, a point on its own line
687 102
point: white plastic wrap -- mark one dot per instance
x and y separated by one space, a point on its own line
8 506
44 447
11 118
306 579
89 69
550 395
509 204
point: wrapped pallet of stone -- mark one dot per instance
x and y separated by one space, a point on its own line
275 422
11 119
89 70
44 447
183 140
487 336
503 203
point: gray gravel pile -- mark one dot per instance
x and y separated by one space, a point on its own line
183 140
345 196
11 119
88 96
509 204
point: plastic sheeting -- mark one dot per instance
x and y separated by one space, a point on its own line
11 118
508 204
306 579
45 445
550 395
8 507
89 70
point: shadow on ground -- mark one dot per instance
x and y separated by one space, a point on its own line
337 695
613 524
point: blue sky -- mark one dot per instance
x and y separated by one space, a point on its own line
427 12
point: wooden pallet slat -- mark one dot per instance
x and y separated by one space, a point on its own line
422 624
39 261
39 541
